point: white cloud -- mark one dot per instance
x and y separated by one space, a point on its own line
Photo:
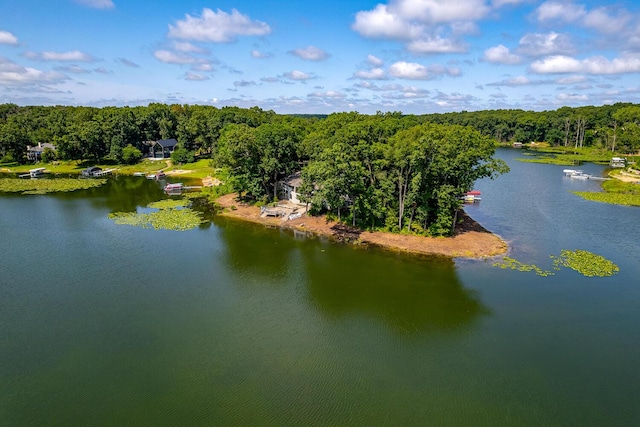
217 27
97 4
537 44
328 94
310 53
374 60
8 38
297 75
169 57
571 97
195 77
409 70
601 20
560 11
203 66
189 47
12 74
441 11
500 55
436 45
382 23
571 80
414 71
260 55
373 74
560 64
74 55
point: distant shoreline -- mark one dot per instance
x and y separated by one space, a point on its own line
471 240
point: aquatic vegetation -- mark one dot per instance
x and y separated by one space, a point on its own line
586 263
611 198
514 264
171 214
45 185
169 204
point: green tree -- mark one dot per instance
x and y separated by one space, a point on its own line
131 155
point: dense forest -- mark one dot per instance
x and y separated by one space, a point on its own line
383 171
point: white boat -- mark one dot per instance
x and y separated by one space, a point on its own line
580 175
178 186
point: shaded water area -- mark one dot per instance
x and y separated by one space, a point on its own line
238 324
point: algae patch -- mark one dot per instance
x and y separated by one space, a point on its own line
169 214
584 262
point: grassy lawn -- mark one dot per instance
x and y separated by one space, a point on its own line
567 155
199 169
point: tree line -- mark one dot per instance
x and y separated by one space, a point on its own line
384 171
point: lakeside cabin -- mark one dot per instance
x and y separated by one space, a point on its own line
290 188
161 148
34 154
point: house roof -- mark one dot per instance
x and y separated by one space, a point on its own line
40 147
294 180
167 143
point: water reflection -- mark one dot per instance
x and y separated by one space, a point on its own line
409 294
252 249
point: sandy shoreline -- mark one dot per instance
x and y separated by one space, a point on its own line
471 240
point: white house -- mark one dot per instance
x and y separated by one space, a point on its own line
290 188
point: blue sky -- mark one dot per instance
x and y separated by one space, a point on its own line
413 56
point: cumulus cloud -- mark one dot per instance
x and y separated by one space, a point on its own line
297 75
436 45
8 38
71 56
602 19
189 48
571 97
442 11
571 80
409 70
169 57
414 71
373 74
537 44
310 53
560 64
12 74
332 94
500 55
428 26
260 55
374 60
97 4
217 27
195 77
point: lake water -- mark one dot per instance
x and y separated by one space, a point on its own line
238 324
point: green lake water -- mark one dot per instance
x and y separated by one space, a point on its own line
238 324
